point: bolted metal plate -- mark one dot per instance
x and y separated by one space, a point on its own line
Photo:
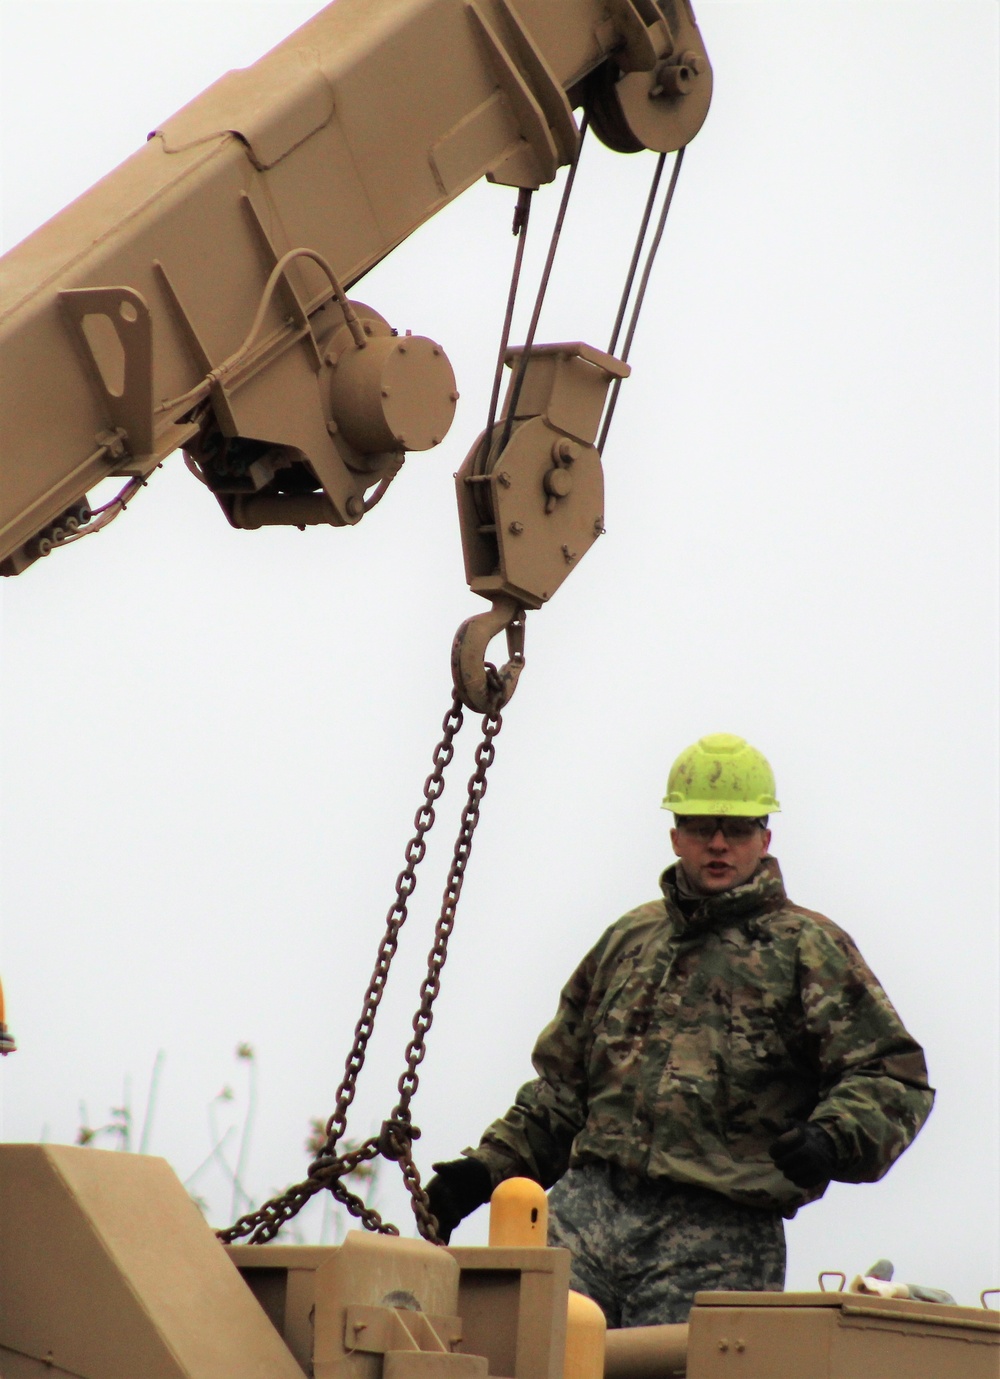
548 514
396 394
418 393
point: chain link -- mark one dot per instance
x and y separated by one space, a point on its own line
328 1168
431 985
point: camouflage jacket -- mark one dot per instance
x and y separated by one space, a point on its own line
688 1039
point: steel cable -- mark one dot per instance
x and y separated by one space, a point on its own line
640 295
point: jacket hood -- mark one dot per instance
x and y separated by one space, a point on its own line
761 895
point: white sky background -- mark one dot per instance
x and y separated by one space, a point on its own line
214 741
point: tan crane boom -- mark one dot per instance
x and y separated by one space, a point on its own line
196 296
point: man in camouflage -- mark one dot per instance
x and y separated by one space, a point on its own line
716 1059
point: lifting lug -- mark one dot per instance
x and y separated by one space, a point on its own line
478 683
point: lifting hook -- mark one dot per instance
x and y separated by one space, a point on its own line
478 683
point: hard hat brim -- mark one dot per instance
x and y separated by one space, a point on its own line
735 809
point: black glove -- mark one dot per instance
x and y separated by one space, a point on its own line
457 1188
805 1154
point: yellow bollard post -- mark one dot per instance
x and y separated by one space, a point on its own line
519 1214
586 1330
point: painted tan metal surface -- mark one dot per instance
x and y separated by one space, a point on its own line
283 1280
127 323
646 1352
336 1306
108 1270
381 1297
513 1307
838 1336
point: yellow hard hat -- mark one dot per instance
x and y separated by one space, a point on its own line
721 774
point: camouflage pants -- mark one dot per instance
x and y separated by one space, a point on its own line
642 1248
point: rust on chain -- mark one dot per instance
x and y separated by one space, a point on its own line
479 684
328 1169
431 985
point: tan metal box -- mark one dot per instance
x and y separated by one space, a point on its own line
838 1336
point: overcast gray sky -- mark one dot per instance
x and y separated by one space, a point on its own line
214 741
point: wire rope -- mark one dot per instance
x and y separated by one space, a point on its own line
520 229
522 362
636 252
637 307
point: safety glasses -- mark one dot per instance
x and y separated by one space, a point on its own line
733 830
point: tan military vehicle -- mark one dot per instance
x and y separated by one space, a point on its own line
200 299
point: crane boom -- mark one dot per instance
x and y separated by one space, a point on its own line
195 297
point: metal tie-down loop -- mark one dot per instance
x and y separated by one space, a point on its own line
479 684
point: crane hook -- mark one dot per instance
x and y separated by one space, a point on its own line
478 683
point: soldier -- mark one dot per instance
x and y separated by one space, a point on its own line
716 1059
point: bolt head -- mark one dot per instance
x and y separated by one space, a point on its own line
676 78
564 451
558 483
355 506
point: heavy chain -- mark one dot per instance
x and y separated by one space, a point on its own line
399 1125
328 1168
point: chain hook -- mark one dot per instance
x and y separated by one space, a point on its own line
479 684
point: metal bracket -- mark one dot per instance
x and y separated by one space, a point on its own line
530 116
545 84
113 329
378 1329
644 38
196 347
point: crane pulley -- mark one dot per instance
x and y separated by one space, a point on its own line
531 490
